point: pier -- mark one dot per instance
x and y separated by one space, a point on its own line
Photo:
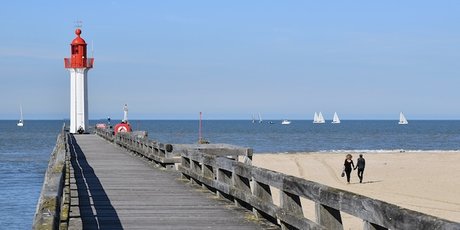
127 181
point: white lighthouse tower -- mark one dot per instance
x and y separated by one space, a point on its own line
78 64
125 114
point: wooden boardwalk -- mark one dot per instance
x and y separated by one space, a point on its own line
112 189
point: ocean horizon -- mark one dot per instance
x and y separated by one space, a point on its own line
299 136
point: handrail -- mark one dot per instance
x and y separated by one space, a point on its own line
217 168
48 212
160 153
250 187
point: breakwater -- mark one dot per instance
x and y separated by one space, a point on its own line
54 201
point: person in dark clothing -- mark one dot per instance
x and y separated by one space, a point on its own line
360 165
348 166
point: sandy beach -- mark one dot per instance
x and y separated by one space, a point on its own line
427 182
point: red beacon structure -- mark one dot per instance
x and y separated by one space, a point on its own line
123 126
78 65
78 58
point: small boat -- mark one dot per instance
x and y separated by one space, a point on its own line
21 120
253 119
336 119
318 118
402 119
286 122
260 118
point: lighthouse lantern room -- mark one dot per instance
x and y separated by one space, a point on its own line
78 65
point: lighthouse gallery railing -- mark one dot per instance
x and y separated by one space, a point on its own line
88 64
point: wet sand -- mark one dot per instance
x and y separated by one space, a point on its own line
427 182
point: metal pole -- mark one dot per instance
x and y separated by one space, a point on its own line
199 131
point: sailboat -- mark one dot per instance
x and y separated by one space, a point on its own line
253 119
402 119
336 119
260 118
321 118
315 118
21 120
318 118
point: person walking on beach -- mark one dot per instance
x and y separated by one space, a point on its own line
360 166
348 166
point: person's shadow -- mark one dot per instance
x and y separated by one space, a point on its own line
96 211
368 182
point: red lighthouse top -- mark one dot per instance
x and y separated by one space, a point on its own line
78 40
78 58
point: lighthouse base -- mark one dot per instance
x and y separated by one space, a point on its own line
78 100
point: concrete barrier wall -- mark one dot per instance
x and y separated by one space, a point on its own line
54 202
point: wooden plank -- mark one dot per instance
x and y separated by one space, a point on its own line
117 190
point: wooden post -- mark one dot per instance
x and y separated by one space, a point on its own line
328 217
225 177
186 164
208 172
196 168
242 183
247 158
263 192
291 203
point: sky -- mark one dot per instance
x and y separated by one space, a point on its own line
231 59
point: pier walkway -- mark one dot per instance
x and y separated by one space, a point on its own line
127 181
113 189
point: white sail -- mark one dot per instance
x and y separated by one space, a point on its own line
321 118
260 118
402 119
336 119
318 118
253 118
21 121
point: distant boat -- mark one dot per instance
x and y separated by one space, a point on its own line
286 122
336 119
253 118
402 119
318 118
260 118
21 120
321 118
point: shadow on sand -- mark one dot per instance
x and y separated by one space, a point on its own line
368 182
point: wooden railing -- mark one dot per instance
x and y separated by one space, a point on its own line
218 169
250 187
160 153
54 203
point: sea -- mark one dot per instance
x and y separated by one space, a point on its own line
24 151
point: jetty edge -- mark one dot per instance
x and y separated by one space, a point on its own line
52 211
216 168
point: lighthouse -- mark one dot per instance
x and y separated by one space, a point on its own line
78 65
